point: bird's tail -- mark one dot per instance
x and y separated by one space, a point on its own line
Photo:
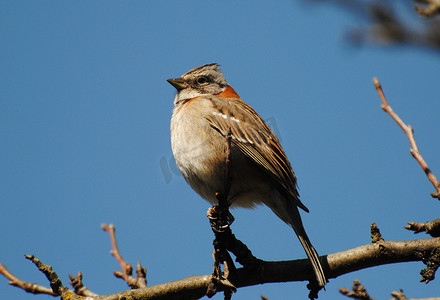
310 250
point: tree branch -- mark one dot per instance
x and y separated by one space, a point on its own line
336 264
358 291
432 8
80 288
414 150
29 287
127 270
54 280
432 228
386 25
401 296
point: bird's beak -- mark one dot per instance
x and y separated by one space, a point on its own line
178 83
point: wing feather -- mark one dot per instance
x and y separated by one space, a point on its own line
255 139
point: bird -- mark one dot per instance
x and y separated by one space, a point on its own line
207 111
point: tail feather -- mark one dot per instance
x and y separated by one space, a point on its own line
296 223
314 259
287 210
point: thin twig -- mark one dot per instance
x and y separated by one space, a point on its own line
80 288
401 296
358 291
54 280
115 250
376 236
432 9
29 287
57 289
398 295
414 150
432 228
127 269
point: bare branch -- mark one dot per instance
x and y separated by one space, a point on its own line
432 228
127 269
298 270
401 296
386 25
432 262
398 295
29 287
432 9
54 280
80 288
358 291
375 234
57 288
414 150
336 264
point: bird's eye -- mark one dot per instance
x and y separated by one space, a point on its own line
202 80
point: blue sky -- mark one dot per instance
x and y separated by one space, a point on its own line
84 118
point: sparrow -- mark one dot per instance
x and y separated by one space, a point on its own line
207 111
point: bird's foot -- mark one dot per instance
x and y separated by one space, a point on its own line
220 218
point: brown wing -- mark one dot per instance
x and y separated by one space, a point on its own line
255 139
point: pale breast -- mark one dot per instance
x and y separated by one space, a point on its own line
200 154
198 149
